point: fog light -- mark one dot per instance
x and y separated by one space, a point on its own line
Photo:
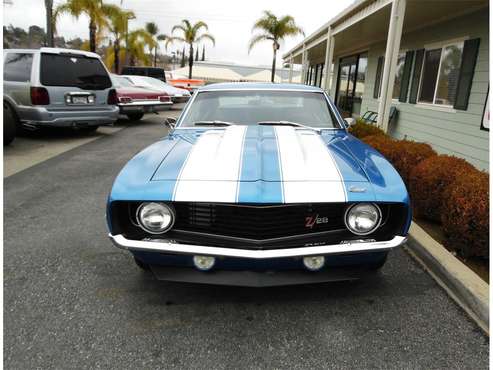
314 263
204 263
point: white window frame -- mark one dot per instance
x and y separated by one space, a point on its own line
396 100
438 45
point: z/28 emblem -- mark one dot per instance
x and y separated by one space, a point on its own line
311 221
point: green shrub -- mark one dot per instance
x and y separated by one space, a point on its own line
465 216
430 179
362 129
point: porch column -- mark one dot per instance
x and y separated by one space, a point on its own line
391 54
303 64
290 69
329 55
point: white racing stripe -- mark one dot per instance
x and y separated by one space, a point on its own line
309 172
212 170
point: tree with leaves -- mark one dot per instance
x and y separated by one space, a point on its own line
275 30
118 26
153 30
137 42
95 10
190 34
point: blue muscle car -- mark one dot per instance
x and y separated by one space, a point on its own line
259 184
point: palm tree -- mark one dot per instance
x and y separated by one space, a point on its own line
274 29
49 23
153 29
118 24
190 35
137 42
94 9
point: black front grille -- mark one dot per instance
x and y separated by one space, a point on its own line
258 226
259 222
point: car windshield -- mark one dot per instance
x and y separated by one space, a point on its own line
73 70
251 107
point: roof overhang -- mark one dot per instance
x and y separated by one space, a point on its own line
366 22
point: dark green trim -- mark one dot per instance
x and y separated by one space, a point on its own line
405 76
468 64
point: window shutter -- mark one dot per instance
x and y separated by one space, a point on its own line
406 73
378 78
469 56
418 64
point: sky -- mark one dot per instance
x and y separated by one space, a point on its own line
230 21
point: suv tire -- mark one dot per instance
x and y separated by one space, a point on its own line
135 116
9 124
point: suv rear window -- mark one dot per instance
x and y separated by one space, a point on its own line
74 70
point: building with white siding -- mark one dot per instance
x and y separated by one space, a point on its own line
428 59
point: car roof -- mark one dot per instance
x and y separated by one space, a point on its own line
54 51
259 86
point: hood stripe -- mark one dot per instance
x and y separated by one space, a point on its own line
260 157
309 172
212 169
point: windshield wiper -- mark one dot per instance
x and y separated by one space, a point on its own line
214 123
286 123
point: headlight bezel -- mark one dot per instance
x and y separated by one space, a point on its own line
373 229
167 206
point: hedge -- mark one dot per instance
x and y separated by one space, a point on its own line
362 129
442 188
403 154
429 181
465 216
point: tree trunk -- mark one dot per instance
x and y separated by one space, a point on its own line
116 49
190 62
273 63
92 36
49 23
155 56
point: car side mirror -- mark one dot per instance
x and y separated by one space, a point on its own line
350 121
170 122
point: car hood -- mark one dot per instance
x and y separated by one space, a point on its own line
259 164
255 163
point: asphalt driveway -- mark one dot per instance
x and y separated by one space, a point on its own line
72 300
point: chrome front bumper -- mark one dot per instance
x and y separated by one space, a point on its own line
164 246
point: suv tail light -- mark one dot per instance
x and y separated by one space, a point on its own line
164 98
39 96
112 99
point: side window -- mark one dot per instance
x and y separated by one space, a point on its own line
17 67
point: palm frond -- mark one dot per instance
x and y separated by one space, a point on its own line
206 36
258 38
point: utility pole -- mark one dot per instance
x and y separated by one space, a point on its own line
49 23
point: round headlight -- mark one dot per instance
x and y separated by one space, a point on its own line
363 218
155 218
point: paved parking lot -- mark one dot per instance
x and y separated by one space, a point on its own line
72 300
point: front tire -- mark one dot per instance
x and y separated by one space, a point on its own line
135 116
9 124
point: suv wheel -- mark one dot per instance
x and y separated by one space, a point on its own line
9 124
135 116
89 128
